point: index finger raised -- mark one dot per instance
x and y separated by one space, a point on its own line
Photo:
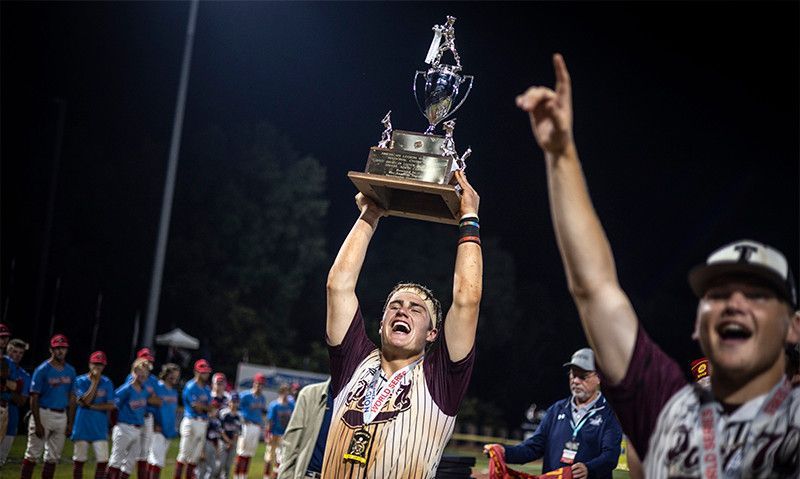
563 81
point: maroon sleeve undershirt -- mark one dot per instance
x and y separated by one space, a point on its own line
447 380
652 378
346 357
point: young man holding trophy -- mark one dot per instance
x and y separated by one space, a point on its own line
395 405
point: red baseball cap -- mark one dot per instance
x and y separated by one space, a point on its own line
146 353
218 378
202 366
59 341
4 330
259 378
98 357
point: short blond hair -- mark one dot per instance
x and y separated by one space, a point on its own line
17 343
139 363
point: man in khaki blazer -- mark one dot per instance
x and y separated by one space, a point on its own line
302 434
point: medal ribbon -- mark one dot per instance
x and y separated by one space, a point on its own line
711 458
374 403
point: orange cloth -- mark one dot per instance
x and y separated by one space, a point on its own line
499 470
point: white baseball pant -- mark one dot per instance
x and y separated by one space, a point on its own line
5 447
273 453
226 460
193 437
209 465
3 418
124 437
145 438
248 440
52 442
158 450
80 451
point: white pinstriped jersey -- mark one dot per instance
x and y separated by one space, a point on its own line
773 452
411 430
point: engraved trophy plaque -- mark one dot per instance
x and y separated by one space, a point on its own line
410 174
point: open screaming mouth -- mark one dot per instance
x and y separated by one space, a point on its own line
733 331
401 327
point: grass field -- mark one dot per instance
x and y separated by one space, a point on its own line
64 469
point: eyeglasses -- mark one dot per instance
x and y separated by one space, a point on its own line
583 376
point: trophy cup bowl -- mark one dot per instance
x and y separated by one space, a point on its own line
440 92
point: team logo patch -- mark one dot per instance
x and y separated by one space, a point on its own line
354 404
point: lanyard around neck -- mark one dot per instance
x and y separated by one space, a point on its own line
577 427
711 459
373 400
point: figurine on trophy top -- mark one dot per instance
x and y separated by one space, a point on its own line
449 148
411 174
442 81
386 136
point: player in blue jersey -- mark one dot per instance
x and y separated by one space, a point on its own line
16 395
252 407
164 420
231 429
196 404
153 403
131 401
95 396
52 410
279 412
7 371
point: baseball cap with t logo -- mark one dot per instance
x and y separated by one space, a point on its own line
748 259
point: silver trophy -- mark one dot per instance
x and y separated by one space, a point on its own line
410 174
442 81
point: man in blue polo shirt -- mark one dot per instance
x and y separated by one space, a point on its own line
580 432
95 395
52 410
196 404
16 398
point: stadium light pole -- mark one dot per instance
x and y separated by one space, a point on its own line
169 183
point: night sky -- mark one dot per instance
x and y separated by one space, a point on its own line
686 120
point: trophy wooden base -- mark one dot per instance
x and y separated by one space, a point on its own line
420 200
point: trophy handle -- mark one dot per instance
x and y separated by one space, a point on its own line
463 98
416 96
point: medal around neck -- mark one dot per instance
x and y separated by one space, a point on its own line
410 174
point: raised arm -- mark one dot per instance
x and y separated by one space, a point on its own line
86 398
608 318
462 318
343 276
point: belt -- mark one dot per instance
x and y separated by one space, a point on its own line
314 474
137 426
198 419
53 409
